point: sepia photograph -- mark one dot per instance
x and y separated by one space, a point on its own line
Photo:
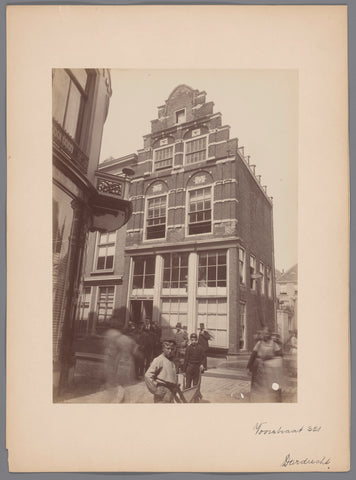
175 270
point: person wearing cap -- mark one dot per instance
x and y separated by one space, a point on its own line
203 340
162 368
181 339
194 361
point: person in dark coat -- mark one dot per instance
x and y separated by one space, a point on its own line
203 341
194 361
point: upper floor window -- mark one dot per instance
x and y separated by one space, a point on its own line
269 281
262 278
106 251
180 116
242 266
199 211
156 218
105 304
195 150
69 97
163 157
252 272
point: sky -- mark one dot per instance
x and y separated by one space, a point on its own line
260 106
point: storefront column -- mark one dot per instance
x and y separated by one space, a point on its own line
192 290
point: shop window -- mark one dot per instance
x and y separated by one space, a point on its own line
195 150
143 273
175 272
106 251
156 218
213 313
199 218
212 272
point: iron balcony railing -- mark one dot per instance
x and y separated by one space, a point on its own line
67 147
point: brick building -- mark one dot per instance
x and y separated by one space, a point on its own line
199 245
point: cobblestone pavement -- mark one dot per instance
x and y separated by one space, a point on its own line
225 381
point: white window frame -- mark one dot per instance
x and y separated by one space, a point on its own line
182 289
107 244
166 167
142 290
218 290
97 322
242 263
148 199
252 280
243 323
193 139
215 299
262 279
187 217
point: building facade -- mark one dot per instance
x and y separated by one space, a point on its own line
83 199
287 301
199 245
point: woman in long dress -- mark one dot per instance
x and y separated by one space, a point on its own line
265 365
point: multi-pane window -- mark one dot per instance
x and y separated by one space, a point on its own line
175 272
195 150
252 273
105 304
262 278
84 305
269 281
242 266
213 313
69 97
156 218
174 310
106 251
143 273
212 272
199 211
163 158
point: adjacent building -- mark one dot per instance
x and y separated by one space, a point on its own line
287 299
198 247
83 199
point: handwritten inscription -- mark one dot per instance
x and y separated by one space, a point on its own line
261 429
290 461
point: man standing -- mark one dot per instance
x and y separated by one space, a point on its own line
194 361
203 341
162 368
181 339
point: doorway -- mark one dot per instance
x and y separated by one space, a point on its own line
140 310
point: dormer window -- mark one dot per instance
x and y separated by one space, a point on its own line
180 116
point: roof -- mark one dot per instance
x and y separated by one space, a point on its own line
290 276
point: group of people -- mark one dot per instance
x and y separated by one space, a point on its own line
139 351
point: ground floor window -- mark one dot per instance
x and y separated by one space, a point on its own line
213 313
173 310
243 330
84 308
143 274
105 305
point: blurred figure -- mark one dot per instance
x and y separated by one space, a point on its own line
181 340
203 340
157 346
120 351
265 365
293 344
193 362
137 335
148 343
162 368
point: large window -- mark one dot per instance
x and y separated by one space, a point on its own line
143 274
213 313
212 272
163 157
106 251
195 150
242 266
84 308
156 218
199 211
69 97
262 278
105 304
252 273
175 273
